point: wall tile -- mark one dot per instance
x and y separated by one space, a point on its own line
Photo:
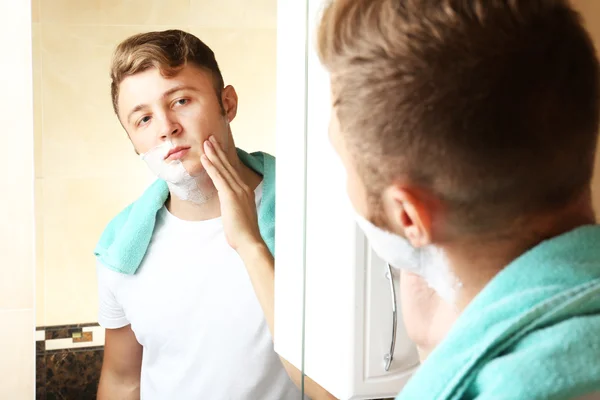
35 11
17 343
16 236
16 276
75 213
235 14
17 348
37 97
40 288
115 12
247 58
590 10
73 374
16 229
97 335
40 377
37 142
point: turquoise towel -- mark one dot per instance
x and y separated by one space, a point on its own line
533 333
125 240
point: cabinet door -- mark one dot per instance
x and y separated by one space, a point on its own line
390 357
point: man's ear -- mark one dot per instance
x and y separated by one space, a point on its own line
409 212
229 99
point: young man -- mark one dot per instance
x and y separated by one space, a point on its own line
184 319
468 132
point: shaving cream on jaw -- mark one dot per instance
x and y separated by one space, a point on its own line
181 183
429 262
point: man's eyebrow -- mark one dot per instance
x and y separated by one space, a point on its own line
169 92
137 108
179 88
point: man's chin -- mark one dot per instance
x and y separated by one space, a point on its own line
195 170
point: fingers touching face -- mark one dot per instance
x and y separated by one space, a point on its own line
220 170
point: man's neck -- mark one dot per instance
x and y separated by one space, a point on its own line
484 259
190 211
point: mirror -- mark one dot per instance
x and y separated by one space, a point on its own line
86 172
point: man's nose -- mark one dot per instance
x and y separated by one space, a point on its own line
171 127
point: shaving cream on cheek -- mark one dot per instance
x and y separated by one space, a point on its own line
180 182
429 262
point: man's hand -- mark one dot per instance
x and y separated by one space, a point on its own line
240 220
427 317
238 205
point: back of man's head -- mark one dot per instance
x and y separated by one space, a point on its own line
492 105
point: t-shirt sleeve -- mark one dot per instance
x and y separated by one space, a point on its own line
111 314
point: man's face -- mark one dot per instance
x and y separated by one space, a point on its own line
183 109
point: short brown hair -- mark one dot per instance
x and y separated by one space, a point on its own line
491 105
168 51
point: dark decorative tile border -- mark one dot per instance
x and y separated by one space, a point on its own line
64 331
40 377
75 350
65 374
72 373
85 325
83 337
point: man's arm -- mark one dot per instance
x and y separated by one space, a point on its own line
121 367
260 266
240 222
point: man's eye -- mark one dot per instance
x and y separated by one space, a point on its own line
144 120
182 102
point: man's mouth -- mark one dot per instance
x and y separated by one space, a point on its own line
177 153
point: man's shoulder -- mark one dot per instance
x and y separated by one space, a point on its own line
555 360
142 208
124 241
115 224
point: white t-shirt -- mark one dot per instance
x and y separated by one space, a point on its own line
192 307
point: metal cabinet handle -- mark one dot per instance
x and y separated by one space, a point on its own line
389 357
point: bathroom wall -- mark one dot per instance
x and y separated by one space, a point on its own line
590 9
16 203
85 168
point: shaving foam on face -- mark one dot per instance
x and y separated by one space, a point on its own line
429 262
180 182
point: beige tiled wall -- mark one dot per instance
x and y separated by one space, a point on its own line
86 170
17 226
590 9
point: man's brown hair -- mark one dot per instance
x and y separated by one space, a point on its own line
490 104
168 51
